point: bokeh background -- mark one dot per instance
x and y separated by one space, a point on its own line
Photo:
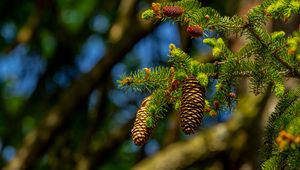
60 105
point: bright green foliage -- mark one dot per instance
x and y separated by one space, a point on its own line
293 44
294 126
283 8
148 14
210 41
161 82
266 59
271 164
158 103
203 79
180 75
150 121
279 89
277 35
140 81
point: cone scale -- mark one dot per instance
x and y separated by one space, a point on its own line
192 105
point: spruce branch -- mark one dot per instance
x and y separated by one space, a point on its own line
292 70
272 163
274 125
281 8
210 142
146 79
266 59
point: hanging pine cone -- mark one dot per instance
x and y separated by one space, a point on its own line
140 133
192 105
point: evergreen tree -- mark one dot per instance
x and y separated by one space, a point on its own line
267 58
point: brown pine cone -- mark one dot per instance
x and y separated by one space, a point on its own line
192 105
172 11
140 133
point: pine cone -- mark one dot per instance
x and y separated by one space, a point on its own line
195 31
192 105
140 133
172 11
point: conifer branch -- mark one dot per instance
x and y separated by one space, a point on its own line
284 112
203 145
292 70
266 59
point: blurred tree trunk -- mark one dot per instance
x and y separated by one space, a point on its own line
122 38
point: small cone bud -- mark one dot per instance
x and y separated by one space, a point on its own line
213 113
147 73
195 31
297 139
217 104
192 105
207 109
156 9
207 17
232 95
172 11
